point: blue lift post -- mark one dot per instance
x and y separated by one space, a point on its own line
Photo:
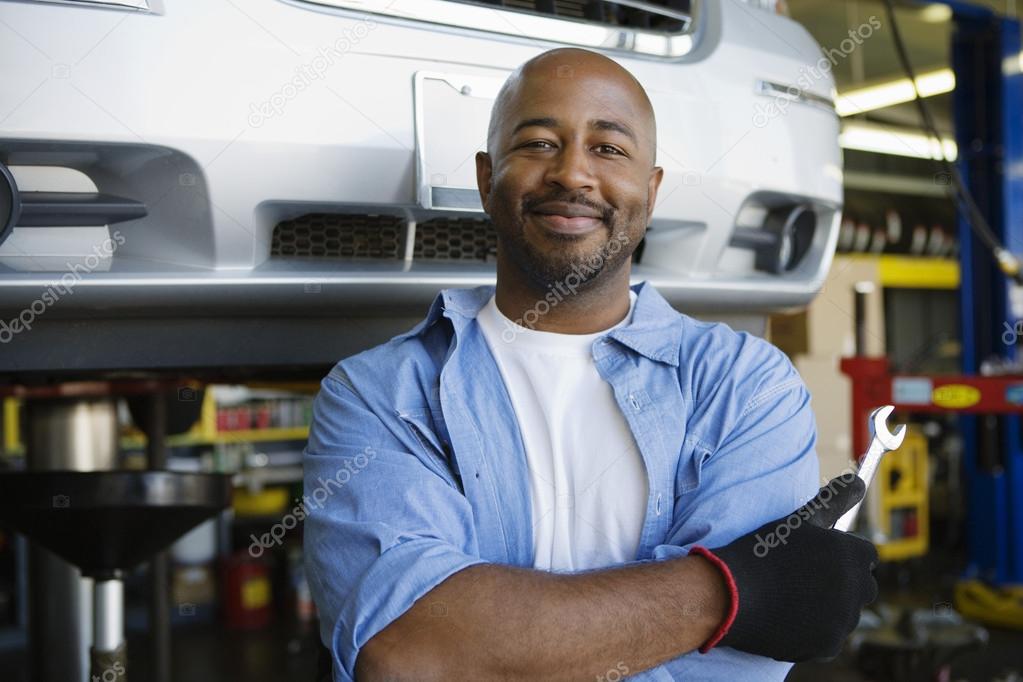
988 114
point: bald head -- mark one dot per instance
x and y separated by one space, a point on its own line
600 83
569 177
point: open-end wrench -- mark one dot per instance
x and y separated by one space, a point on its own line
881 441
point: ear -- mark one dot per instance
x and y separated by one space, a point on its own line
484 173
656 175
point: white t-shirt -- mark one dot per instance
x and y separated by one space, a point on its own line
587 480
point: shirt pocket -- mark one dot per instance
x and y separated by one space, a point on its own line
690 465
434 453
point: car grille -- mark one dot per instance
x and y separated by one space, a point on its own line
460 239
382 237
597 11
319 235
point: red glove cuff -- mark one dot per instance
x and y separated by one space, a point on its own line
733 594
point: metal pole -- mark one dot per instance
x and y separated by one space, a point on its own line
109 653
108 614
860 292
64 434
159 609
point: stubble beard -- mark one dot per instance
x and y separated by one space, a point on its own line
588 265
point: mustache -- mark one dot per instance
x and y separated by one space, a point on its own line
607 213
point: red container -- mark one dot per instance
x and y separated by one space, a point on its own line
263 417
248 597
244 418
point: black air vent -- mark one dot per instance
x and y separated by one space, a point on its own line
382 237
320 235
459 239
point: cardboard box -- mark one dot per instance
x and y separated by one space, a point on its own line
193 585
827 326
831 399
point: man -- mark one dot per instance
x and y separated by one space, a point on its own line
522 487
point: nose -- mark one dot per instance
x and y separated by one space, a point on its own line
570 168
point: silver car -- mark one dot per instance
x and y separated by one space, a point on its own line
276 183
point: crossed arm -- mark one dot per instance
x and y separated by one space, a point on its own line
395 567
491 622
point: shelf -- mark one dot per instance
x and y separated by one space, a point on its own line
196 437
263 435
912 272
907 272
203 433
894 184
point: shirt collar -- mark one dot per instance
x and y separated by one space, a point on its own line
655 330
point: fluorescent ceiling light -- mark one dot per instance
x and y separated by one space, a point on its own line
900 142
936 13
1012 66
894 92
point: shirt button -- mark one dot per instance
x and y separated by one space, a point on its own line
657 505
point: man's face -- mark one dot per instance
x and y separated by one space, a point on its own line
570 172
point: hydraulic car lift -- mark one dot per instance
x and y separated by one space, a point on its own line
988 114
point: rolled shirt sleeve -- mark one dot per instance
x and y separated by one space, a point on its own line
382 528
753 442
764 469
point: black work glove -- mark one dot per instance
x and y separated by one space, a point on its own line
797 587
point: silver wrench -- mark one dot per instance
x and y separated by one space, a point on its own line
881 441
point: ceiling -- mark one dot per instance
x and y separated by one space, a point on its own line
927 35
829 21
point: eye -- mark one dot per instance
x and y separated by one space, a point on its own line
534 144
609 149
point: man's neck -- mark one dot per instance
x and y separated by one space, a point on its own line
600 305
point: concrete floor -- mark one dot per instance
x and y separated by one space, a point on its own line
211 654
999 661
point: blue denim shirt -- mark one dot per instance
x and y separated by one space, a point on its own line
415 467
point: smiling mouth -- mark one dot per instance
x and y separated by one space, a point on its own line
563 224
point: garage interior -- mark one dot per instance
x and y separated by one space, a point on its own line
922 308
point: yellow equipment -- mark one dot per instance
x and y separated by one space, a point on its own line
1000 607
900 509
